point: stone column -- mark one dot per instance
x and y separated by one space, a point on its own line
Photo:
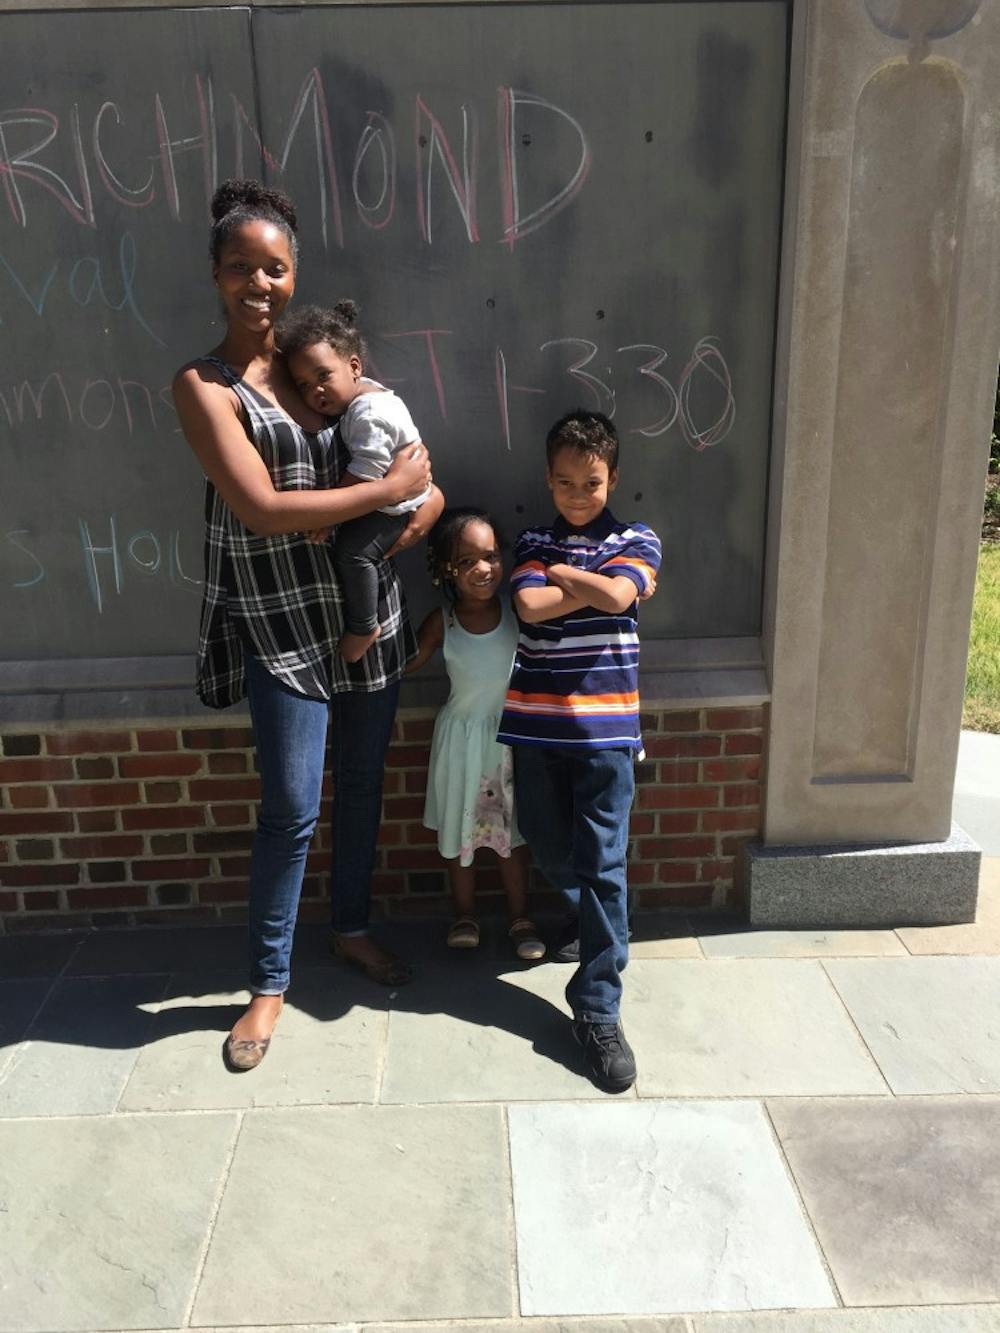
889 327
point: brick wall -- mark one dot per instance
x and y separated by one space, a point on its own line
134 825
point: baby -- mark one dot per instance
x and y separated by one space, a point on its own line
325 354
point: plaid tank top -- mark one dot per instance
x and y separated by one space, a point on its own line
277 597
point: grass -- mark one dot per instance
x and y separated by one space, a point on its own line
982 684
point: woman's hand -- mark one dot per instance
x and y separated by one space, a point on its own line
209 413
420 523
410 473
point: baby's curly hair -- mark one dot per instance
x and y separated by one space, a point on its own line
237 202
442 543
313 324
590 433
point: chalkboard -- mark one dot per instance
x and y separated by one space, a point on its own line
537 206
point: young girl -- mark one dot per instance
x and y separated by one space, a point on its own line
470 790
325 353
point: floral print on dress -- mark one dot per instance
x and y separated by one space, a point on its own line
491 819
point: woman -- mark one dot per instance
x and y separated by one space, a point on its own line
271 615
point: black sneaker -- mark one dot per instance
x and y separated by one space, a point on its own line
567 943
608 1055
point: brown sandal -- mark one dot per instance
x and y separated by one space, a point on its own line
387 971
463 933
528 944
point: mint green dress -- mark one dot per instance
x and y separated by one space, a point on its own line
470 785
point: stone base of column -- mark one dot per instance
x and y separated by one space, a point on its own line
905 884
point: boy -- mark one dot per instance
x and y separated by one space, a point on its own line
572 715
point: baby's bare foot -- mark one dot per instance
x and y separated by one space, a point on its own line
352 647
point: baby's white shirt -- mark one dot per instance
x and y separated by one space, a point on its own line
374 428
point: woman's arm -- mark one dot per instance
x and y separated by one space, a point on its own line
420 523
430 637
209 419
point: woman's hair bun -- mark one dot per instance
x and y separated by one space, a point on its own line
253 196
347 311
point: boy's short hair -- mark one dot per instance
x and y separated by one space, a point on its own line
588 433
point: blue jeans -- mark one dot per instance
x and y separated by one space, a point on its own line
573 809
290 734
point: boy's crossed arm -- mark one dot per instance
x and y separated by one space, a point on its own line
570 589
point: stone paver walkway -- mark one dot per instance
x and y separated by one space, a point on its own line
813 1144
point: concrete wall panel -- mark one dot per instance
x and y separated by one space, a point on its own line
892 381
887 354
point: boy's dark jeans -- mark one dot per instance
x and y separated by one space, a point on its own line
358 547
573 809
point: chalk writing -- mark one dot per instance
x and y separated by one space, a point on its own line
89 283
204 142
143 554
26 134
433 143
35 299
603 396
428 336
20 166
708 359
707 363
517 223
95 404
649 369
140 197
38 573
378 134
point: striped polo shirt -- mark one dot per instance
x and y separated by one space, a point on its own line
575 680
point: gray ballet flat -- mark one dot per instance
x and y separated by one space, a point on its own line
240 1055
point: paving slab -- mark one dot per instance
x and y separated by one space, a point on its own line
981 936
326 1046
160 949
748 943
36 955
933 1024
748 1027
81 1046
662 935
281 1328
674 946
904 1194
20 1001
669 1324
908 1319
472 1030
657 1209
977 789
104 1218
363 1213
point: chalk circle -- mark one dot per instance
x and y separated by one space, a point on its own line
921 20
